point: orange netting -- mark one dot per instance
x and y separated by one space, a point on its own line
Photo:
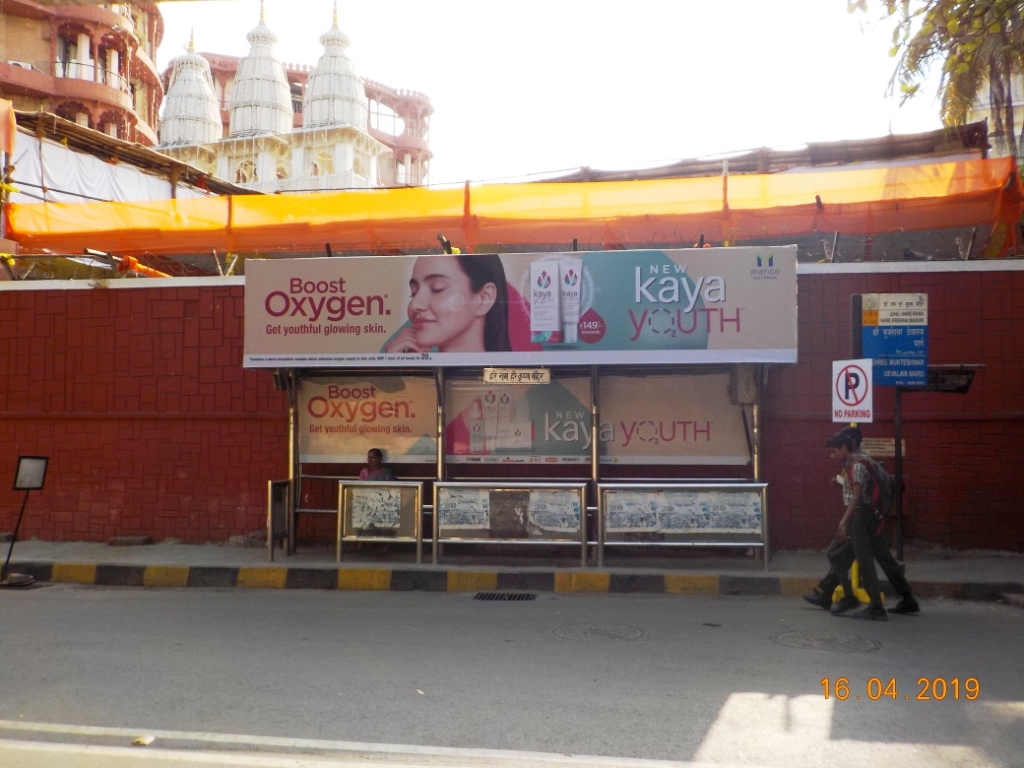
851 200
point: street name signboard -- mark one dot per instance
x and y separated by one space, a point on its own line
954 379
881 447
894 334
851 391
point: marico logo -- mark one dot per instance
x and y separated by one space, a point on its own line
544 280
571 278
765 271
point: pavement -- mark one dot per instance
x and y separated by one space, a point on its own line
934 572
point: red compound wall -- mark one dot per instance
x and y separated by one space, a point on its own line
152 426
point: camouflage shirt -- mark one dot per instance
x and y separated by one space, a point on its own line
856 468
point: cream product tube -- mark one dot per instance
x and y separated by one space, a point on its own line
490 420
476 428
570 280
545 317
504 409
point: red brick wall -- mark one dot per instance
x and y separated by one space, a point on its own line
153 427
964 466
140 400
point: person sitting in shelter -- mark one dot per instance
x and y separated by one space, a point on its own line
374 469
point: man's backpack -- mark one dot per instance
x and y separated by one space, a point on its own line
883 496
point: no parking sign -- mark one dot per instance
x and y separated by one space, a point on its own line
851 390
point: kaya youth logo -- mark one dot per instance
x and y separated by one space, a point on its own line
544 281
668 284
765 269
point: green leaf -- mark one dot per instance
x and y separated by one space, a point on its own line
893 51
953 25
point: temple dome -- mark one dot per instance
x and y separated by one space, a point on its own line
262 100
334 92
191 113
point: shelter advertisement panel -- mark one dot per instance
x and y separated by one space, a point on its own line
715 305
644 420
340 419
671 420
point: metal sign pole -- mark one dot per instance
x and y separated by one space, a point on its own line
897 417
14 538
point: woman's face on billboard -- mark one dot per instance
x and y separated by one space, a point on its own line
444 310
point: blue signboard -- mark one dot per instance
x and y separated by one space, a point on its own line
899 354
894 334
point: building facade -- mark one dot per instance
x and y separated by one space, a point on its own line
273 127
982 110
93 64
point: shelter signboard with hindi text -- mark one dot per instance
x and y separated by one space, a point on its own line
717 305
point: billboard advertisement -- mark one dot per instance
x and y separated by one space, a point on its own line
341 418
644 420
714 305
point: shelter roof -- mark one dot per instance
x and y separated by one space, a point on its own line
954 140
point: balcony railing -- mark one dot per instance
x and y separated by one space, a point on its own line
91 72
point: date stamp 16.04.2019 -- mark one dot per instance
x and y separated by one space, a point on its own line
927 689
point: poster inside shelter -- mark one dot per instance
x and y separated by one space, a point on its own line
715 305
375 508
464 508
554 511
675 512
656 419
341 418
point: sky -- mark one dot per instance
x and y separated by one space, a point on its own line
527 88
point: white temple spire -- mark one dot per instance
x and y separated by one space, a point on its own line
334 92
191 113
262 98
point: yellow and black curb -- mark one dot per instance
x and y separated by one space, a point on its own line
436 580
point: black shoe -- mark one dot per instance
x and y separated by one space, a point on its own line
872 613
848 603
820 600
907 604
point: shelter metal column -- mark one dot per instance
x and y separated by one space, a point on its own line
294 476
595 463
756 419
435 547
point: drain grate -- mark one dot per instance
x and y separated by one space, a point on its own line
826 642
505 597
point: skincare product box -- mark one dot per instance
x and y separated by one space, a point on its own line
545 302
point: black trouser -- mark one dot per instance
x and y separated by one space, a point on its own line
842 552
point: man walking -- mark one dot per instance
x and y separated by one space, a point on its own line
859 537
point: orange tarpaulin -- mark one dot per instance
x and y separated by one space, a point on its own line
8 127
852 200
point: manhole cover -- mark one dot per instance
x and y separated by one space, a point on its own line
598 632
505 597
826 642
